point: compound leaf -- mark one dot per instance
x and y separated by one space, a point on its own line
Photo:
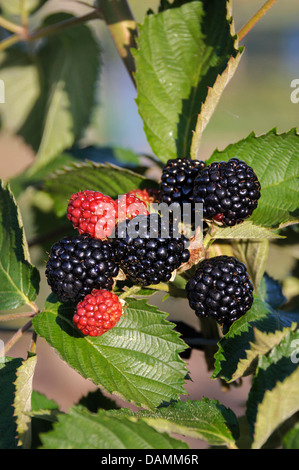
138 359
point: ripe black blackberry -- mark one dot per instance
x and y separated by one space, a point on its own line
77 265
220 289
149 250
229 191
177 180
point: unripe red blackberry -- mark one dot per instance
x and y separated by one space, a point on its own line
130 205
77 265
229 191
149 251
98 312
220 289
92 213
177 180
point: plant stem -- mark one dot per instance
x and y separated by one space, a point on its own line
123 29
169 288
24 14
9 26
62 25
130 291
6 43
16 316
252 22
17 336
22 34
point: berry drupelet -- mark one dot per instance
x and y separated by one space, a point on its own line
220 289
77 265
177 180
92 213
97 313
229 191
148 250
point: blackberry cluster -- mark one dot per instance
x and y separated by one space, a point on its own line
229 191
77 265
152 255
177 180
220 289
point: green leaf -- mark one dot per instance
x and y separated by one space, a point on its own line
254 254
274 395
274 158
19 280
291 439
70 100
263 343
47 103
181 52
29 178
206 419
20 74
245 230
22 401
80 429
39 401
8 428
235 344
13 7
106 178
271 292
138 359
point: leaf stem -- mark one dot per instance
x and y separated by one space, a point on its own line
209 238
6 43
130 291
24 14
9 26
252 22
62 25
22 34
16 316
169 288
123 30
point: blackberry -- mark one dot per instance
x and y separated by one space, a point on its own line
229 191
149 250
220 289
77 265
177 180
